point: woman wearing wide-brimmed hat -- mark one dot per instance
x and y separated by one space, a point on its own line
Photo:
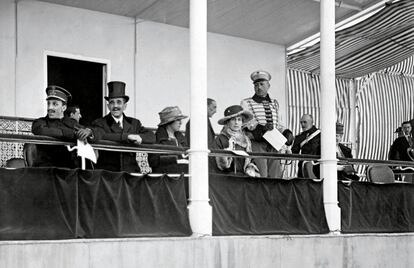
233 138
168 133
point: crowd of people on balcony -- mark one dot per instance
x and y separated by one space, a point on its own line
244 127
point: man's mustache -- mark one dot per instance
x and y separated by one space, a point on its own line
116 109
50 111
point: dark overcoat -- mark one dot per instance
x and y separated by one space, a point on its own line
399 148
210 133
237 165
117 161
312 147
168 163
57 155
348 173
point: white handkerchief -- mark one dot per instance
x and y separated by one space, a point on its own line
239 152
182 161
85 150
275 138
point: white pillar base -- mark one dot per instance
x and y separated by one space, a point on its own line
200 211
333 217
330 194
201 217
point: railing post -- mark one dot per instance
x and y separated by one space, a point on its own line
352 116
328 116
199 209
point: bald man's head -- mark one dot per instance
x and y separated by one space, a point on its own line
306 122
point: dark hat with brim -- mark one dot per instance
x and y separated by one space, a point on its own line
170 114
56 92
116 89
234 111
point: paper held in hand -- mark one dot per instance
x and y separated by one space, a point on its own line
86 150
275 138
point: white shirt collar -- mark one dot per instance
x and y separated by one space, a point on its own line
118 119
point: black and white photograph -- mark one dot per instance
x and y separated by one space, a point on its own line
206 133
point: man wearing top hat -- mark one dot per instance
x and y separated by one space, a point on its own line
116 126
265 117
56 125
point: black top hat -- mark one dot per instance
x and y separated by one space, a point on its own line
56 92
116 89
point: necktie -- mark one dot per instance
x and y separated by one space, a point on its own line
119 124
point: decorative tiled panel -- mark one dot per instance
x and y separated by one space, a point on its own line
24 127
142 160
10 150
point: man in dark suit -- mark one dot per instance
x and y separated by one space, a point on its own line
345 172
307 142
211 110
116 126
73 111
399 148
56 125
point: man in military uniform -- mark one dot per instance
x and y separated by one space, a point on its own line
56 125
116 126
266 117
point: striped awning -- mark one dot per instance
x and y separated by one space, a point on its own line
383 40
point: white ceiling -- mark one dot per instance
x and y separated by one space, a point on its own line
275 21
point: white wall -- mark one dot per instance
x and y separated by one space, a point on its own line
7 58
163 70
48 27
162 67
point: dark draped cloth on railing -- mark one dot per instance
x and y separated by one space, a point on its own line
376 208
52 203
252 206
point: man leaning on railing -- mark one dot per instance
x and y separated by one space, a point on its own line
116 126
56 125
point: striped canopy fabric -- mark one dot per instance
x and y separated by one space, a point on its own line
405 67
304 98
383 40
383 99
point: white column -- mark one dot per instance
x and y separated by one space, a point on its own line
352 116
328 115
199 209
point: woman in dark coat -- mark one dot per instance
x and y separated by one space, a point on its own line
233 138
168 133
